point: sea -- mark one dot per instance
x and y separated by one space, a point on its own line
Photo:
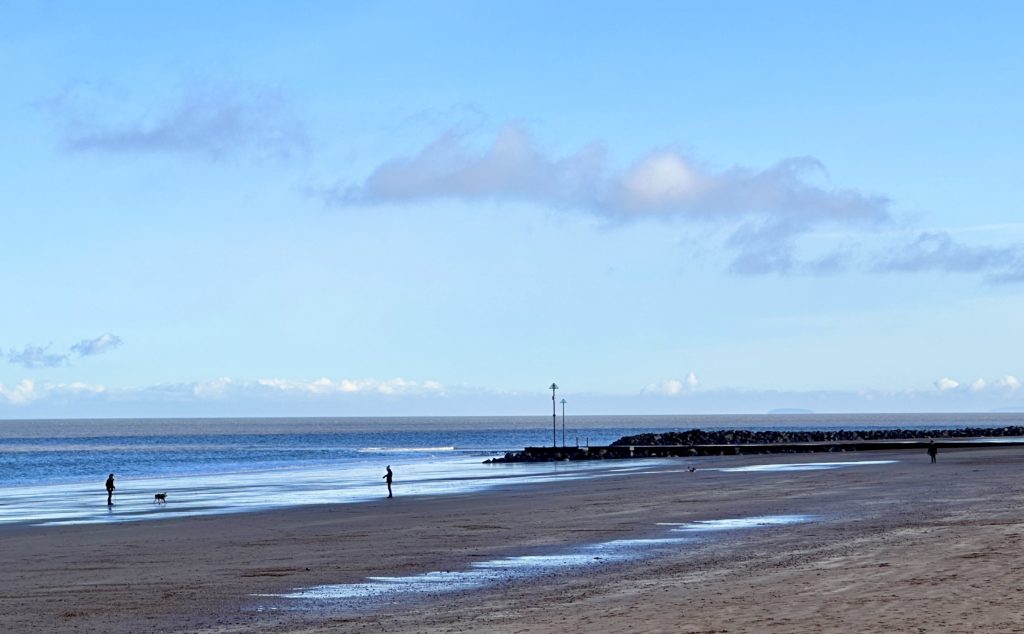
53 471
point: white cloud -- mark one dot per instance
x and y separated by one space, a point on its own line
763 212
366 397
41 357
511 167
104 343
221 389
662 180
36 357
20 394
323 385
206 119
215 388
1008 382
28 391
78 387
770 206
672 387
937 251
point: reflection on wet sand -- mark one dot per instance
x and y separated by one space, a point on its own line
493 572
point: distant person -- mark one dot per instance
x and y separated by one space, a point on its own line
110 490
389 476
933 450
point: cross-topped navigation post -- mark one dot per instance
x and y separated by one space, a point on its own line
554 415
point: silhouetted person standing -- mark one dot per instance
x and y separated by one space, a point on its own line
110 490
388 476
932 450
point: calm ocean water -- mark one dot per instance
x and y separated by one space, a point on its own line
52 471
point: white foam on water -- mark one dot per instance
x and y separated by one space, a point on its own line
403 449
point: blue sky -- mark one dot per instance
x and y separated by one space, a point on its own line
434 208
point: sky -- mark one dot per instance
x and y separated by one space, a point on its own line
440 208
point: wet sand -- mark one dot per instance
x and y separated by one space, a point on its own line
908 546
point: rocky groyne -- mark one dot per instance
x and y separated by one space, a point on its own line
697 442
744 436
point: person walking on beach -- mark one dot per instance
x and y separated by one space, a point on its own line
932 450
110 490
388 476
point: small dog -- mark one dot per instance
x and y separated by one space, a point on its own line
160 498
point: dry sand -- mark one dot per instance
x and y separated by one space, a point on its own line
907 547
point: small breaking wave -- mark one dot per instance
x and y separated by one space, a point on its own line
403 449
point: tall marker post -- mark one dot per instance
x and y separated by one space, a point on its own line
563 422
554 416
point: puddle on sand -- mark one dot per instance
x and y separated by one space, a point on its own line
486 573
737 523
800 466
497 571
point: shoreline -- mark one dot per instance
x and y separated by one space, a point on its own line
201 574
260 490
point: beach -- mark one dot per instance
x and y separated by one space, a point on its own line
882 546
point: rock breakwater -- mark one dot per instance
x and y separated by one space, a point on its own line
744 436
697 442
